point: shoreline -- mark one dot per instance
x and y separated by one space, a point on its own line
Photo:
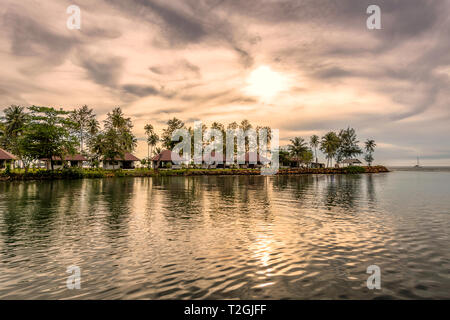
72 174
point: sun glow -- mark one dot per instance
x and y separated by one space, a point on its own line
265 83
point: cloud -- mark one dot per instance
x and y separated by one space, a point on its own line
191 59
103 70
181 67
140 90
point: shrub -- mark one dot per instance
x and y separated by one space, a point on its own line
354 169
119 173
8 169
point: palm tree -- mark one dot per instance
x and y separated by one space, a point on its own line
152 140
14 122
314 143
157 151
369 145
329 145
348 148
297 148
85 124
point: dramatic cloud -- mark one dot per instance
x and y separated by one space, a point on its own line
193 59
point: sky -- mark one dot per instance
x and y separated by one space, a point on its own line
301 66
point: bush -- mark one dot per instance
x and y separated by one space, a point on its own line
354 169
119 173
8 169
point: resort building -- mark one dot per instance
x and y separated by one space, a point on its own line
317 165
254 160
214 160
5 158
71 161
127 162
167 159
351 162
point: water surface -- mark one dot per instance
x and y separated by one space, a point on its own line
230 237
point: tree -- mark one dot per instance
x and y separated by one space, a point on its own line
297 148
96 148
269 135
369 146
245 126
348 147
14 123
85 124
48 134
157 151
329 145
307 157
117 138
314 143
218 126
283 157
232 126
166 138
152 140
368 158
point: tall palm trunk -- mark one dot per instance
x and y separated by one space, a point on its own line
315 149
148 156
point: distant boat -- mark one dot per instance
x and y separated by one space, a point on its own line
418 164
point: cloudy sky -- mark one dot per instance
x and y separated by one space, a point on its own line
301 66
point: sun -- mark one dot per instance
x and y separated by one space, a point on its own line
265 83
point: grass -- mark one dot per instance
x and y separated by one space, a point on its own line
95 173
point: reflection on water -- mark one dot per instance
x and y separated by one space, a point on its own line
245 237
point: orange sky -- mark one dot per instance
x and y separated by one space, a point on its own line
303 67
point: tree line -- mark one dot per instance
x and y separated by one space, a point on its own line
40 132
337 146
48 133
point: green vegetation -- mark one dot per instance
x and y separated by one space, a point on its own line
369 146
78 173
152 140
47 133
335 146
329 145
314 142
85 124
354 169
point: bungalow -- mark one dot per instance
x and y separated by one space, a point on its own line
72 161
295 162
254 160
317 165
214 160
5 158
351 162
167 159
127 162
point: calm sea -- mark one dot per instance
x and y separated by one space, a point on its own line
232 237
